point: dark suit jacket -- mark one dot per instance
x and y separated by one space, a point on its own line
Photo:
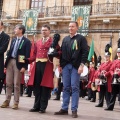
4 41
24 49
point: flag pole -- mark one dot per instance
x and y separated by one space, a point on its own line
91 50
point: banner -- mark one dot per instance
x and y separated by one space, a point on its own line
81 15
91 52
30 20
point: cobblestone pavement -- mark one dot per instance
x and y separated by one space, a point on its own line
86 111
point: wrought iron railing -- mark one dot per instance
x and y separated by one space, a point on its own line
58 11
105 8
40 15
50 12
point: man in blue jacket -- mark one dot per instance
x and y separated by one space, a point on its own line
16 65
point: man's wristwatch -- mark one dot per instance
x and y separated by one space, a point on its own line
82 64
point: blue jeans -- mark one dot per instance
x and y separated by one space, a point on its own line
71 81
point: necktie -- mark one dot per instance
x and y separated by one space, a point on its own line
16 47
44 40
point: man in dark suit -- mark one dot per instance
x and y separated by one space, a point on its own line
16 65
4 41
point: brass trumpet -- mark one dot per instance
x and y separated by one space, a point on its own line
114 81
116 78
103 79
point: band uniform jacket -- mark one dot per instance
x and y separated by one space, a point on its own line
106 67
4 41
90 76
96 77
40 51
115 65
23 49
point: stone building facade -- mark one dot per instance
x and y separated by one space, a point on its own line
104 18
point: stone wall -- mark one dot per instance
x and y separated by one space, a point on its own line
11 7
101 39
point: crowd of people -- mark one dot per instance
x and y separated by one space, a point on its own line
105 81
72 55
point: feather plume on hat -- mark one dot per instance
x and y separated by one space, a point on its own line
107 47
118 50
99 60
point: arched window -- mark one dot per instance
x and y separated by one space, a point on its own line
1 4
38 4
82 2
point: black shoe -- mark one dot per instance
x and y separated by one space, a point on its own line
108 109
42 111
61 112
82 96
92 100
28 96
56 99
33 110
88 98
74 114
99 105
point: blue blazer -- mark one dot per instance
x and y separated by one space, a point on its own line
24 49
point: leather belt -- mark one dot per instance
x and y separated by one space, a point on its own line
41 59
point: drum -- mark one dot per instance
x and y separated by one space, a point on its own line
85 71
94 88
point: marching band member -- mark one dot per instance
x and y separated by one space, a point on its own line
94 85
105 86
115 72
94 82
90 79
